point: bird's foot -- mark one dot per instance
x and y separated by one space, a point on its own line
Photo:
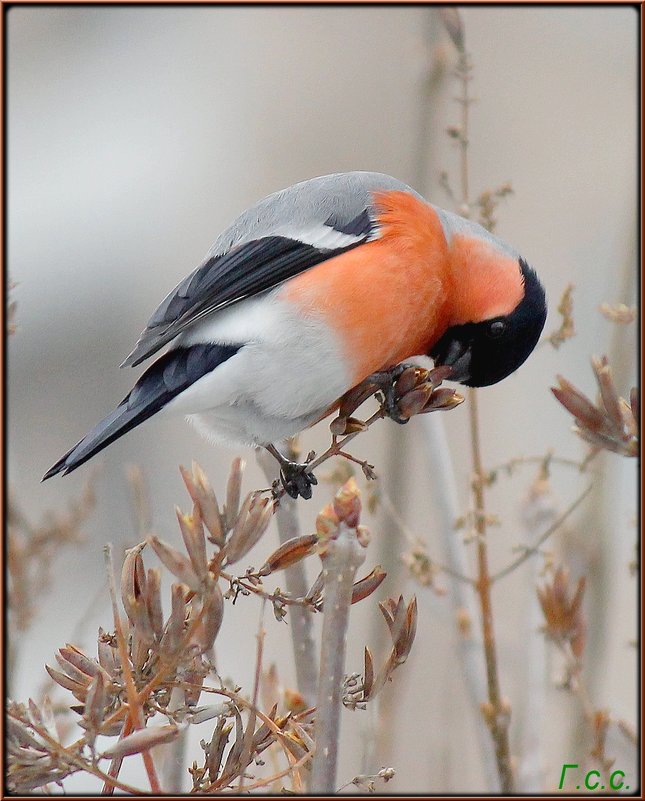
389 392
295 477
402 391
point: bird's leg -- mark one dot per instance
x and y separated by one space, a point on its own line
294 476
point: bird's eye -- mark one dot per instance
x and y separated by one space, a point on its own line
496 329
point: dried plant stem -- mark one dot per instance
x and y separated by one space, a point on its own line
542 539
463 72
173 761
462 599
115 765
302 636
498 713
342 558
498 719
135 709
67 756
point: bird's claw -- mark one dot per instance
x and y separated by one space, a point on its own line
389 399
297 480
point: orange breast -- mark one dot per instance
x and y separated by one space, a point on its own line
386 299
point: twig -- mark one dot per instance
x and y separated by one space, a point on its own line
536 547
498 712
341 559
247 751
302 636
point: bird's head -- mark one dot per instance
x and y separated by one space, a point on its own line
489 345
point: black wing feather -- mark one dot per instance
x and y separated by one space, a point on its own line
167 377
246 270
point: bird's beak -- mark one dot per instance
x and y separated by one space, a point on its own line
457 356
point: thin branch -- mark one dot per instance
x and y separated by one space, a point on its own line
469 646
536 547
498 713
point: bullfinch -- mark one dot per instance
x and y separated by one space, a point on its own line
310 291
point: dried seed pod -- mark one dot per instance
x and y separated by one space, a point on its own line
368 673
172 640
610 398
108 654
314 593
194 538
211 617
366 586
84 663
43 716
203 496
564 620
78 689
414 401
233 491
410 378
193 678
402 623
71 671
215 749
289 553
443 399
250 526
176 562
153 601
341 426
438 374
355 397
133 578
95 704
142 740
580 406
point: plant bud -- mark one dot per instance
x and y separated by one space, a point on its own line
347 503
289 553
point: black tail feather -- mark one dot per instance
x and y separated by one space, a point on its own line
174 372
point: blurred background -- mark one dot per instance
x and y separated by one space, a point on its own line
136 135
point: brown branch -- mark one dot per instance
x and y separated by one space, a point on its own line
496 711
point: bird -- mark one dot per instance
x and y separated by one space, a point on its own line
310 291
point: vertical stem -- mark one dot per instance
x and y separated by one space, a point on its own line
341 559
469 648
498 712
463 70
302 635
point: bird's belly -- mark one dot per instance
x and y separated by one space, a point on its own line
245 424
288 372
